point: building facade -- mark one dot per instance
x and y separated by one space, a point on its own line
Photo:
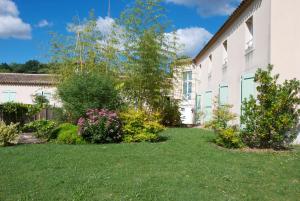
258 33
21 88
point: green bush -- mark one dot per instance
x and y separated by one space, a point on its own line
100 126
68 134
271 120
229 138
8 133
83 91
222 124
17 112
139 126
222 118
42 129
170 113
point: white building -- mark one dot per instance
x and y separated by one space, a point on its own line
20 88
258 33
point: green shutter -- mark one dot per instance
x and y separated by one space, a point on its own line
208 106
198 108
223 95
248 86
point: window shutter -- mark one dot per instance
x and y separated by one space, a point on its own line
223 95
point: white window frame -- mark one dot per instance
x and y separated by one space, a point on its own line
249 30
187 85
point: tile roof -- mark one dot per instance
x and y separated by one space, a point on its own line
27 79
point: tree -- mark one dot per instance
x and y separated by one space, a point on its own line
88 49
271 120
83 91
148 53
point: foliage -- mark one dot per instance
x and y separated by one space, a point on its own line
271 120
17 112
87 49
42 128
83 91
222 124
31 66
68 134
40 101
139 126
229 138
148 53
8 133
100 126
222 118
170 114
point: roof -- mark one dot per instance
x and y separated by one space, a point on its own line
183 62
27 79
231 19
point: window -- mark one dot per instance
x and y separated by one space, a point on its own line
9 96
225 54
223 95
187 85
210 60
47 95
249 34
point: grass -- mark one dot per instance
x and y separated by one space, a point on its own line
186 167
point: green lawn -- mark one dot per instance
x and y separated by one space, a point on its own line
186 167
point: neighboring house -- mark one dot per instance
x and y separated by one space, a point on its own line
21 88
258 33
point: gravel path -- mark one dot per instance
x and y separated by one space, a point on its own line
29 138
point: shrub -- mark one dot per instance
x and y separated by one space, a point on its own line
17 112
42 128
100 126
270 121
8 133
68 134
170 114
229 138
138 126
223 125
83 91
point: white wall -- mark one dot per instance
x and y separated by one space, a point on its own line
237 66
24 93
285 38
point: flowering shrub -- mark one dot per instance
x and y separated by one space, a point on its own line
100 126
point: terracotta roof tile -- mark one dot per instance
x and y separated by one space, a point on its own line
27 79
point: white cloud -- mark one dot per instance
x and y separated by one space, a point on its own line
11 25
104 25
191 40
209 7
44 23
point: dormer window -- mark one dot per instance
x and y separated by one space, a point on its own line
225 54
210 60
249 34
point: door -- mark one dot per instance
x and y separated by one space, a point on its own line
198 109
208 106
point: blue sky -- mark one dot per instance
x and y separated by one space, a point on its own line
25 24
